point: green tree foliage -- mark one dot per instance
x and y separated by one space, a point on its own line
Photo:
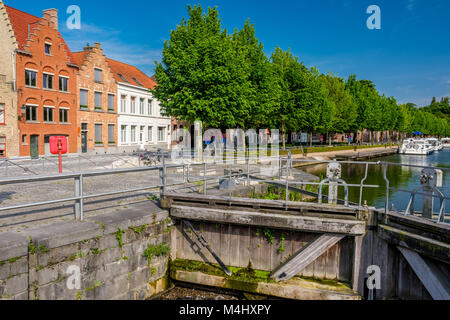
227 81
345 110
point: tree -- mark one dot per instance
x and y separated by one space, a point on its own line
345 109
201 77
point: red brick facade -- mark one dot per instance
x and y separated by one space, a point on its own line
44 110
100 111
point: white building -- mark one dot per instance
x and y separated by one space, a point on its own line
140 123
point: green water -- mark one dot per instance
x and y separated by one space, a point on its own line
399 177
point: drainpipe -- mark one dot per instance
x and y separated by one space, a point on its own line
13 59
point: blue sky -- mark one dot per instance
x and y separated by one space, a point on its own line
409 58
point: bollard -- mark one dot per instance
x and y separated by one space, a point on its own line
79 214
334 172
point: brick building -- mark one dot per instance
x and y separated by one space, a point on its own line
46 83
9 144
97 96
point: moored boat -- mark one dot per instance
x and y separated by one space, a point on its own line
416 147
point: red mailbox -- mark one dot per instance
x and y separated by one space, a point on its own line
58 144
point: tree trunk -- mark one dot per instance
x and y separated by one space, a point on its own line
311 139
329 139
283 129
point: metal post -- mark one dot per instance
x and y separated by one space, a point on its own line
162 179
204 178
387 192
248 172
79 214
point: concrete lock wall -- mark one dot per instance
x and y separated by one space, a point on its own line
42 263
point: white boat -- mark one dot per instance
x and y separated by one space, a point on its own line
437 145
416 146
445 142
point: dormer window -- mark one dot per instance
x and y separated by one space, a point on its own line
48 48
122 77
137 81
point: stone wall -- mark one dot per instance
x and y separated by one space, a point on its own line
108 250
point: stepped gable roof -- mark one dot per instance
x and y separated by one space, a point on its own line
21 20
129 74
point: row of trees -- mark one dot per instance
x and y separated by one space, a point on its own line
227 81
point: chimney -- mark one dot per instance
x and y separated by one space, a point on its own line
52 16
97 45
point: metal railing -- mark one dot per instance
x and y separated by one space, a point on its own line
281 164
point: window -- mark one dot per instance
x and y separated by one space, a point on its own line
98 101
63 84
137 81
2 113
48 81
111 135
133 133
150 107
30 78
150 134
84 127
141 134
161 134
133 105
48 48
83 99
2 147
123 134
98 75
48 114
123 104
141 106
63 116
31 113
24 139
122 77
98 134
111 102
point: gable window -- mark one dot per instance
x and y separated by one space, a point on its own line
31 113
48 114
48 48
141 106
98 75
2 147
48 81
63 84
98 101
133 104
2 113
83 99
63 115
98 134
30 78
111 103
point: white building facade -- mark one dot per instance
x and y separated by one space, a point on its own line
140 123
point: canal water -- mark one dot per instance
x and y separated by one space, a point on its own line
400 177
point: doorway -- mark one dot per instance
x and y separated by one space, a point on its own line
34 147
